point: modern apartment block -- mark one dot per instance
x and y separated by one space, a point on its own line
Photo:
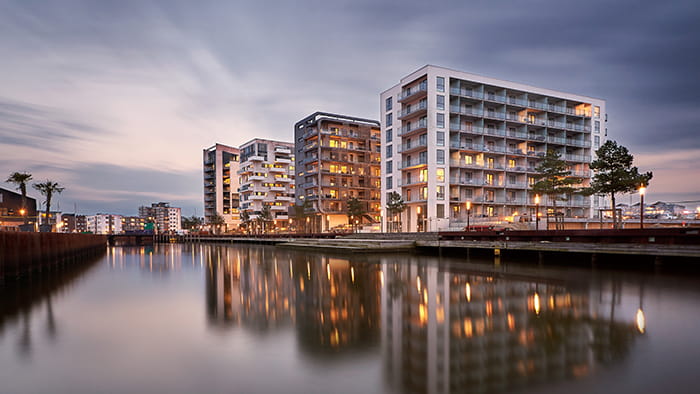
221 184
165 218
267 179
451 137
337 158
134 223
102 223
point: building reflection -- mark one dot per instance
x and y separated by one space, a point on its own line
332 302
444 330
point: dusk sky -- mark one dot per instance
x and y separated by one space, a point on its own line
115 100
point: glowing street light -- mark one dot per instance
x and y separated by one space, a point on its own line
642 191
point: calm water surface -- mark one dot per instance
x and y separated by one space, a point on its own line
254 319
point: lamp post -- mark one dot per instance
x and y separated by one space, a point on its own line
537 212
469 211
642 190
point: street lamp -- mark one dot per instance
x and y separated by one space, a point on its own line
537 212
642 190
469 211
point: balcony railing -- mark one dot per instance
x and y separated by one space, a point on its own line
413 163
412 109
420 88
412 146
466 111
466 93
413 127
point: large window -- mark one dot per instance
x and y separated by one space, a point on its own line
389 166
389 151
440 121
389 135
597 126
389 184
440 101
440 158
440 84
440 172
388 104
440 138
389 119
440 193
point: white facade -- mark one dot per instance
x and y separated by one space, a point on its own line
451 137
104 223
267 179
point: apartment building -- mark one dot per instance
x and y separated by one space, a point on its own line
221 184
267 179
452 137
337 158
163 216
134 223
103 223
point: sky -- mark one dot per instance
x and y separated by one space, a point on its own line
115 100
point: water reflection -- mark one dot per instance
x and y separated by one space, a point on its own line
31 298
441 329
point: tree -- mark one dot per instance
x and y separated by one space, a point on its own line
216 222
395 207
264 217
21 179
614 173
355 211
245 221
48 188
554 180
191 223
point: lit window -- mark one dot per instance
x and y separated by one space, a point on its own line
440 174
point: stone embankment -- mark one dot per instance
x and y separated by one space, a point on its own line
24 253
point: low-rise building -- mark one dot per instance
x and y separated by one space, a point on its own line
103 223
11 213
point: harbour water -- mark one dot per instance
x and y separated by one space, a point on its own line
206 318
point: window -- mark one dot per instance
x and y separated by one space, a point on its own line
424 193
440 101
511 163
388 104
389 184
389 151
440 210
440 85
468 159
511 179
489 179
423 175
440 193
389 135
440 121
440 158
423 157
440 174
389 119
596 140
440 138
597 126
389 166
596 111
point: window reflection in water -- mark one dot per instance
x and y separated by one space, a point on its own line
438 329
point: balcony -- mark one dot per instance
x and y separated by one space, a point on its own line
413 110
466 181
257 197
255 158
283 160
466 129
579 158
311 146
515 152
284 150
463 164
278 188
556 140
466 111
412 182
413 164
516 185
284 198
467 147
581 143
407 148
413 128
277 169
256 178
495 98
283 179
516 169
415 92
466 93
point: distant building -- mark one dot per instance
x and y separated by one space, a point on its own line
11 215
102 223
165 218
267 179
133 223
337 157
220 166
67 223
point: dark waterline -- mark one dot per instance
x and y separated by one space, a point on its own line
257 319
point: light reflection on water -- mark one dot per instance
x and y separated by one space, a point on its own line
276 320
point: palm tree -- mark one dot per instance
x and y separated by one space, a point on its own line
48 188
20 179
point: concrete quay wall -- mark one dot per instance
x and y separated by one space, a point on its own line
24 253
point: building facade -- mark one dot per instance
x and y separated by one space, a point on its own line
337 158
164 217
267 179
11 214
451 137
221 164
103 223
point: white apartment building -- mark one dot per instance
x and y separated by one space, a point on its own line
220 165
451 137
267 179
166 218
102 223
